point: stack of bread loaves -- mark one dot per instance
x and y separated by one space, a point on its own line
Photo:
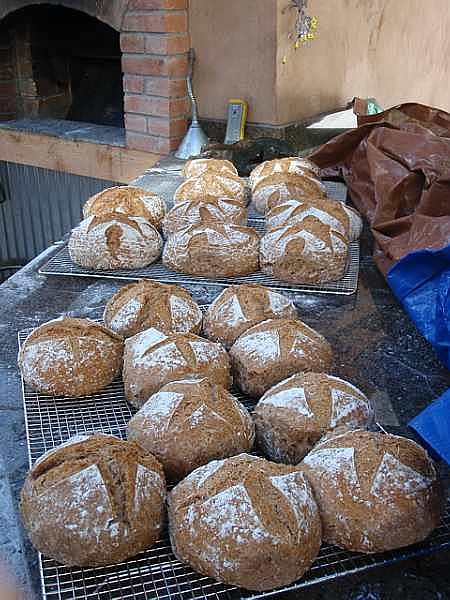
120 230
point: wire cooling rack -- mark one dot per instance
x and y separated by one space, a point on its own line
157 574
61 264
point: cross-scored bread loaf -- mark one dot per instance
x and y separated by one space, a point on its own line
129 200
202 210
213 250
147 303
277 189
275 349
293 415
291 165
246 522
211 183
306 252
70 357
197 166
95 500
114 241
152 359
375 492
190 422
239 307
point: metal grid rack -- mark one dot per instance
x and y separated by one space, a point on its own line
61 264
156 573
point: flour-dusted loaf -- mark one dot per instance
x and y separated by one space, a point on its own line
239 307
147 303
375 492
277 189
199 166
213 249
114 241
306 252
152 359
70 357
275 349
203 210
95 500
211 183
130 200
336 214
190 422
246 522
294 414
291 165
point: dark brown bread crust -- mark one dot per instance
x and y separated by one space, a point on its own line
188 423
245 521
94 501
70 357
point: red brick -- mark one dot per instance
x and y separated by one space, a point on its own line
132 42
145 65
164 86
133 84
151 143
8 88
156 106
157 4
158 22
166 127
177 66
136 123
167 44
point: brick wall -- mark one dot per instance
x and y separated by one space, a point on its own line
8 86
154 42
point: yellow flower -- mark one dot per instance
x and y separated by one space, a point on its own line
284 60
297 45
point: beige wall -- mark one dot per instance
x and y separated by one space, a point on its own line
394 50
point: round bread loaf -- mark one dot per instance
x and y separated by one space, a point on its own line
203 210
198 166
70 357
275 349
190 422
294 414
307 252
277 189
130 200
375 492
246 522
239 307
213 250
291 165
146 303
114 241
220 185
152 359
336 214
95 500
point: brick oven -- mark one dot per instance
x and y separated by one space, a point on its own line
112 62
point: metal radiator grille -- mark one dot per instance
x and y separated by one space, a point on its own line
157 573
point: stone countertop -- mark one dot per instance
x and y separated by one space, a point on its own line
376 347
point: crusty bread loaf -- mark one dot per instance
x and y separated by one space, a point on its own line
239 307
336 214
277 189
70 357
152 359
294 414
95 500
190 422
275 349
130 200
220 185
114 241
375 492
291 165
203 210
198 166
306 252
146 303
213 250
246 522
